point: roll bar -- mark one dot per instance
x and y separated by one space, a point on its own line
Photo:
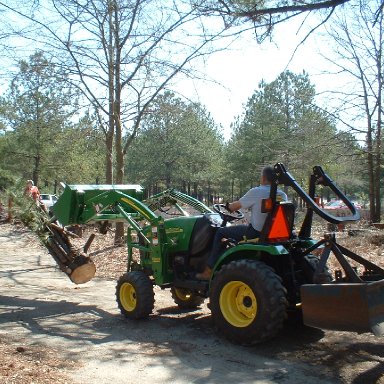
318 177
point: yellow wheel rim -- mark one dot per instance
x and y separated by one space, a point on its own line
182 294
238 304
128 297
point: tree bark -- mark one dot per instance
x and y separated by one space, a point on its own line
109 157
378 128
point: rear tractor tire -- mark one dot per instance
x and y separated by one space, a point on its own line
248 302
134 295
186 299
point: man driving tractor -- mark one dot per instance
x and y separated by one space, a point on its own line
252 199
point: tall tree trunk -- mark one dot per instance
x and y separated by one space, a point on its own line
370 153
377 190
111 99
36 169
195 190
109 156
378 129
371 176
37 157
378 165
119 175
209 193
119 149
119 234
168 174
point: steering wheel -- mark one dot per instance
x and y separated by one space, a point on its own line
226 215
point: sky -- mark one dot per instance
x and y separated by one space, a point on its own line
238 71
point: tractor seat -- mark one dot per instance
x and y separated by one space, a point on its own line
278 226
201 237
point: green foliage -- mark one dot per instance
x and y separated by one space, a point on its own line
43 141
36 110
79 155
179 144
282 123
7 179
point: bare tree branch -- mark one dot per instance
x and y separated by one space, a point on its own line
257 12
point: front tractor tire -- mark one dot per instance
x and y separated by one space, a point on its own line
134 295
248 302
186 299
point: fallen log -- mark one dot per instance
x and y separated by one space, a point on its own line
74 262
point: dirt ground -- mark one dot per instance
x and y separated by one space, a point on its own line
54 331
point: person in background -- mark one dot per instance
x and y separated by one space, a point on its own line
252 199
32 191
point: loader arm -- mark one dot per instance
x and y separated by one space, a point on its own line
119 202
82 204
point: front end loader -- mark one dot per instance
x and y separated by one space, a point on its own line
255 282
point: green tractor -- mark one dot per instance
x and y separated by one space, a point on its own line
255 282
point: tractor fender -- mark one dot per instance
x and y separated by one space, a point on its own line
252 251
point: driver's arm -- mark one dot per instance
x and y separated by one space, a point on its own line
235 206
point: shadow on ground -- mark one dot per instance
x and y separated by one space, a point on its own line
171 332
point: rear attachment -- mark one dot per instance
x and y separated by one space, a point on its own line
352 302
345 307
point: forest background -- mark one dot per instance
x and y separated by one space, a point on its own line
90 97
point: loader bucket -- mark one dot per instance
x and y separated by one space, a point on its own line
356 307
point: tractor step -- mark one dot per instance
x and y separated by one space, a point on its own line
356 307
194 285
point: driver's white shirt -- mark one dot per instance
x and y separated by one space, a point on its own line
252 199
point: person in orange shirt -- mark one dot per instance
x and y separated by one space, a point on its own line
32 191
